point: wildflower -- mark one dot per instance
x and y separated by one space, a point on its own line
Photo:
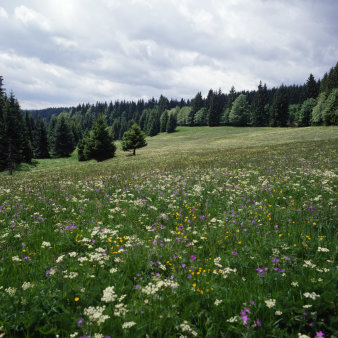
80 321
27 285
234 253
319 334
76 299
109 294
294 284
193 257
218 302
258 322
322 249
270 303
128 325
312 295
278 313
95 314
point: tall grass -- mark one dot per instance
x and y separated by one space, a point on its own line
200 234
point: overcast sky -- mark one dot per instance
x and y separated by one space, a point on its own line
65 52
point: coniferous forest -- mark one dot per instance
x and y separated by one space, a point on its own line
56 132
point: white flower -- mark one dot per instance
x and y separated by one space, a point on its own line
218 302
312 295
95 314
295 284
270 303
322 249
11 291
128 325
233 319
300 335
307 306
45 245
278 313
27 285
113 270
109 294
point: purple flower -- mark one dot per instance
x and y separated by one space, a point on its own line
259 270
320 334
183 265
137 287
252 302
259 322
189 276
234 253
151 263
277 260
47 272
193 257
80 321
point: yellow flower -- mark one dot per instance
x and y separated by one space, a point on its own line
76 299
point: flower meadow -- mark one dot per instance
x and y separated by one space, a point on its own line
239 245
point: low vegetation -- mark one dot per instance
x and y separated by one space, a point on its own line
207 232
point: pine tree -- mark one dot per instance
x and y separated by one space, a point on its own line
196 105
171 124
212 116
133 139
103 146
41 140
163 121
2 126
259 114
64 141
279 108
14 138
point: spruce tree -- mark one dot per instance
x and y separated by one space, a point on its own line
212 116
259 114
171 124
41 140
133 139
103 146
64 142
163 121
14 138
279 108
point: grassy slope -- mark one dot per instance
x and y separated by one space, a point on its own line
244 196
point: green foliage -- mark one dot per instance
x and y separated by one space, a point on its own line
100 145
64 140
133 139
305 113
171 124
259 114
183 116
330 112
317 111
200 118
164 121
239 112
279 108
212 239
41 140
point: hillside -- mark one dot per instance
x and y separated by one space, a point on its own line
220 232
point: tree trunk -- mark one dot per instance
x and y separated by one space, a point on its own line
134 151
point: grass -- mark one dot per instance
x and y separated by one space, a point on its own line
206 232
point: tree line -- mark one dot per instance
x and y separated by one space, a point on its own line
56 132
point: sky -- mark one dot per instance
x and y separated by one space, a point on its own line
64 52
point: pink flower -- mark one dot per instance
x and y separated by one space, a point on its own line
320 334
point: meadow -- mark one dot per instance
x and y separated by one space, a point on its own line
207 232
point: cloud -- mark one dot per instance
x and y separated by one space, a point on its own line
29 17
3 13
62 52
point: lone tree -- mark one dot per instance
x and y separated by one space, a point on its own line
101 142
133 139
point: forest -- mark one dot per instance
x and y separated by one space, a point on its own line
56 132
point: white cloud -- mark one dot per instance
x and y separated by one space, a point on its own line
3 13
30 17
68 52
